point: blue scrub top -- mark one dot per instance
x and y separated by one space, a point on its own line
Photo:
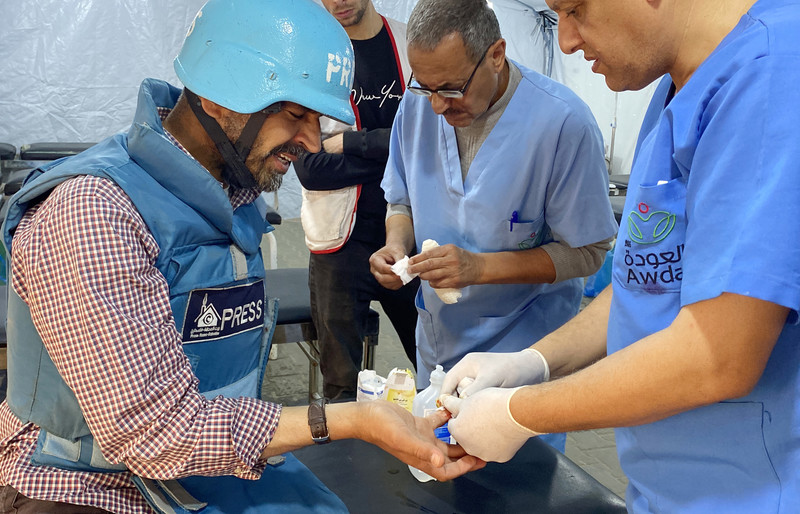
542 166
713 206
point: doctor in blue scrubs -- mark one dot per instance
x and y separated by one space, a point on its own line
503 168
696 344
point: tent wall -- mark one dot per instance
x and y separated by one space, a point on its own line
72 69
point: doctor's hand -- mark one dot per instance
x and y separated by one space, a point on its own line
380 264
412 440
478 371
448 266
483 425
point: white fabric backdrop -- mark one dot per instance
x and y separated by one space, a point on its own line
73 67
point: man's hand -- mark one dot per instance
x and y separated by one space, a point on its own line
447 266
411 439
334 144
483 425
478 371
380 264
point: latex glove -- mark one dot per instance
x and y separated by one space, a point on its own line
483 425
478 371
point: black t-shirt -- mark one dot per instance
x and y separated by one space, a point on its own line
377 90
377 86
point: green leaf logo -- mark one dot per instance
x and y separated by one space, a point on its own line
651 229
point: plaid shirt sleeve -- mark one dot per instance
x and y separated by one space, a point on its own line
84 262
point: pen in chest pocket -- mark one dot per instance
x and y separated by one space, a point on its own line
513 219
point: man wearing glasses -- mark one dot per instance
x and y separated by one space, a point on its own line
502 167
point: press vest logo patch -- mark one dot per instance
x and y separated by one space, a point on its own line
217 313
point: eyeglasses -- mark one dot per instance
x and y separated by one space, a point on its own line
445 93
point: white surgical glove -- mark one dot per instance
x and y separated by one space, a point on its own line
483 425
478 371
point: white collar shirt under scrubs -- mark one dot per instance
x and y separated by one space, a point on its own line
713 206
207 437
540 169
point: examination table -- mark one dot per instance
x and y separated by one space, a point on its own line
538 479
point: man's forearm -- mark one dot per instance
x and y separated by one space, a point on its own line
400 232
532 266
581 341
293 431
577 262
543 265
369 144
384 424
714 350
326 171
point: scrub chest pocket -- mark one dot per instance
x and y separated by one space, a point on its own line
518 233
651 238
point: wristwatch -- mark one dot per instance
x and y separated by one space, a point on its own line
317 421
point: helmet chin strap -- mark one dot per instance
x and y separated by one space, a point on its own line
234 170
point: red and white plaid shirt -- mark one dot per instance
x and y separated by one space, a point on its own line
84 261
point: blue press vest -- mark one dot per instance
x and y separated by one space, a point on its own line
209 256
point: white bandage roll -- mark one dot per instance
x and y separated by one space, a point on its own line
446 294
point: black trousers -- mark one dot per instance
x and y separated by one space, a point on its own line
13 502
342 288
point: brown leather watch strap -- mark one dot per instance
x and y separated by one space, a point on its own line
317 421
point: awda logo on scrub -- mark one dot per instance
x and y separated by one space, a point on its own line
656 265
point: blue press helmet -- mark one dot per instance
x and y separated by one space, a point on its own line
246 55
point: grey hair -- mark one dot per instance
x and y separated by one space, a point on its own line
473 20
